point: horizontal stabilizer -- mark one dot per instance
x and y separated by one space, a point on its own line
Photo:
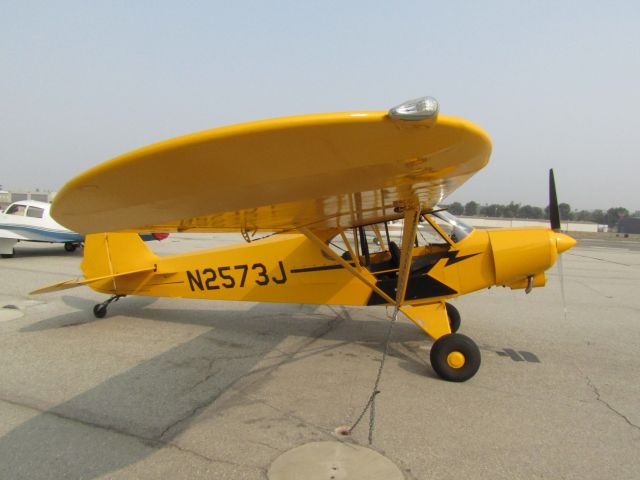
78 283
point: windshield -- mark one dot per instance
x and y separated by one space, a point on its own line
16 209
455 228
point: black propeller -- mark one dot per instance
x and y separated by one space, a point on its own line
554 209
554 219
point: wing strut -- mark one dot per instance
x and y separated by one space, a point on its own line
411 220
409 232
325 248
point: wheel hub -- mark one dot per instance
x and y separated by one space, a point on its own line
456 360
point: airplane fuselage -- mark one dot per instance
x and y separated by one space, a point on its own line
289 268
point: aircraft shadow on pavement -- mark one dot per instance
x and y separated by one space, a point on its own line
84 312
149 405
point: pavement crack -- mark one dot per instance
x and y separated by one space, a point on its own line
263 444
333 323
608 405
155 443
286 414
188 415
108 428
209 375
209 459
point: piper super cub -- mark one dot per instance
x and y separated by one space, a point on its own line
326 185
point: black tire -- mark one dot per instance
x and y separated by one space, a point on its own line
100 311
465 348
70 247
454 317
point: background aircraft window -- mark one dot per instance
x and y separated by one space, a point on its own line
35 212
16 209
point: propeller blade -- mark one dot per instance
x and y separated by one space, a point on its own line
554 209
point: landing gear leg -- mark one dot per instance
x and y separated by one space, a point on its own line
100 310
454 317
454 357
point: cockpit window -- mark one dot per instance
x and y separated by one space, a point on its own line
427 235
455 228
35 212
375 239
16 209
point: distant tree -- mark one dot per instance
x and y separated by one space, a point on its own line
565 211
635 214
525 211
614 214
583 216
456 208
528 211
471 208
493 210
598 217
511 210
537 212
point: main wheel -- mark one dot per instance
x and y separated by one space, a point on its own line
70 247
454 317
455 357
100 310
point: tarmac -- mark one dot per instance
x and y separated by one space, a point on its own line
185 389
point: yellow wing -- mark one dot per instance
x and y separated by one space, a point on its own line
318 171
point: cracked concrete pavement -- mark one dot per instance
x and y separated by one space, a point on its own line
171 388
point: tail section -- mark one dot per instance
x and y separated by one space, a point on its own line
123 258
115 263
112 254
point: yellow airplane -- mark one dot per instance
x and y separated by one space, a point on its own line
326 186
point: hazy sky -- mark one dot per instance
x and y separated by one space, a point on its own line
556 84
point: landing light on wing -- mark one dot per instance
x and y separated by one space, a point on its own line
423 108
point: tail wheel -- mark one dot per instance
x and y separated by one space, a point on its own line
455 357
70 247
454 317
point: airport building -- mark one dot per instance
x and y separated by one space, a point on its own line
567 226
7 198
629 225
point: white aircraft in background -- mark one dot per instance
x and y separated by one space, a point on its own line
30 221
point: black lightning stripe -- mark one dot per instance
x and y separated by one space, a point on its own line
452 257
316 269
420 284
